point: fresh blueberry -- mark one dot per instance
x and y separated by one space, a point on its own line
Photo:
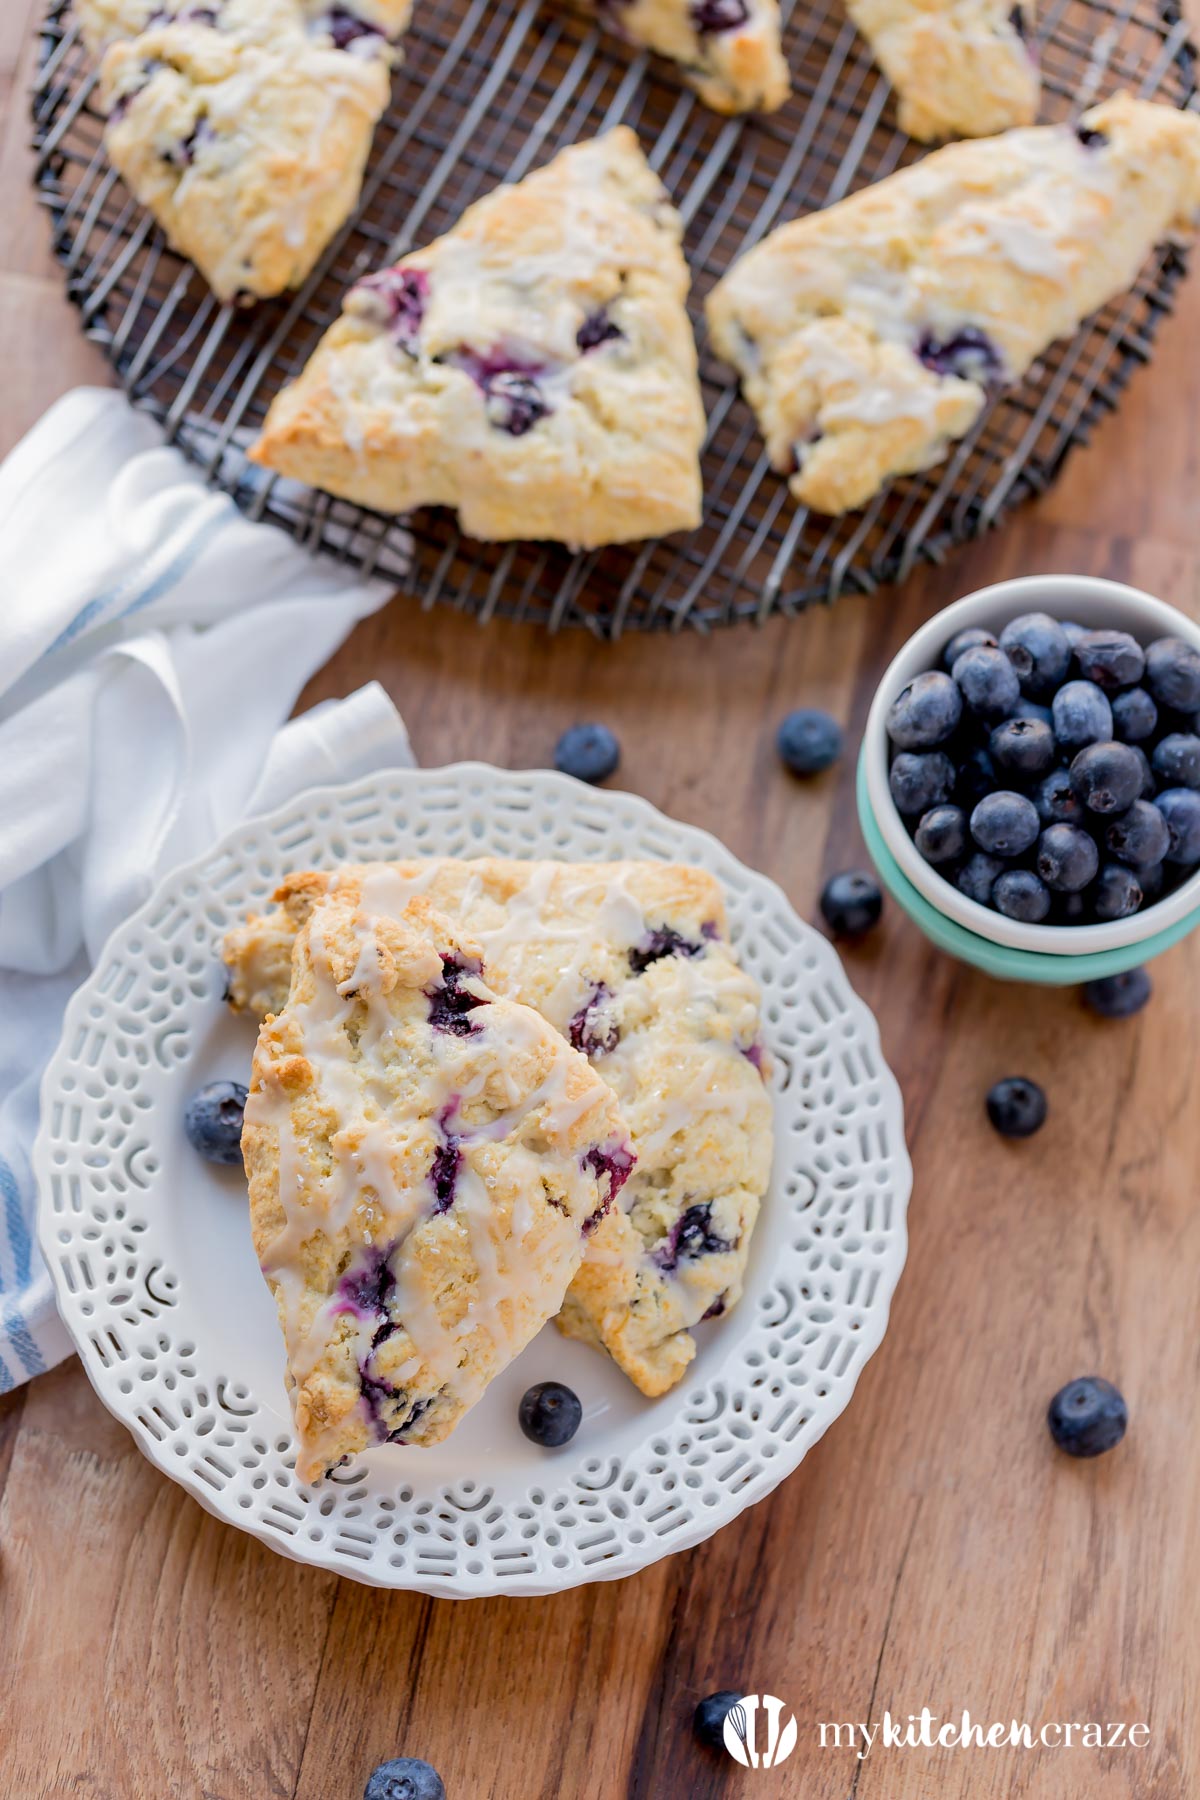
1139 837
1023 748
1056 800
1118 996
970 354
1074 630
549 1414
1038 649
919 779
212 1120
1176 760
1117 893
1032 709
1112 659
809 740
1016 1107
925 713
941 835
976 777
589 752
1107 777
1082 715
978 876
1153 879
708 1720
1071 909
988 682
1134 716
1173 674
969 639
405 1778
1019 894
1149 785
1180 807
1005 824
1067 858
851 903
1087 1417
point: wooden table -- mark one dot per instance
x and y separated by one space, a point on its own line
934 1550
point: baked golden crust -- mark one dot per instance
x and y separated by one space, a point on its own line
960 68
533 368
867 336
728 50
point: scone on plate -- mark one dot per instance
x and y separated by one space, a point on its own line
728 50
426 1159
868 337
630 962
534 368
960 68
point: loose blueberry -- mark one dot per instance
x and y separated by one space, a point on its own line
1153 879
1117 893
1005 824
941 835
978 876
1087 1417
549 1414
405 1778
1112 659
1139 837
212 1121
925 713
851 903
1032 709
1173 674
1019 894
1149 785
1056 800
809 740
1107 777
976 777
1067 858
988 682
1180 808
1038 649
589 752
1023 748
919 779
1176 760
1118 996
708 1720
1074 630
1134 716
1082 715
970 639
1016 1107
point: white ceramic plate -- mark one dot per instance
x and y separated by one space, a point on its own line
158 1284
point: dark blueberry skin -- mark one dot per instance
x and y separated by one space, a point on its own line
588 1030
443 1173
1023 749
1005 824
1090 138
1016 1107
919 779
450 1004
1087 1417
970 639
1135 716
1038 649
1107 777
1118 996
1020 894
1138 837
1067 858
976 777
613 1163
589 752
597 329
1032 709
809 740
1180 808
988 683
941 835
1056 799
978 876
1173 674
405 1778
549 1414
851 903
1112 659
712 17
1176 760
1117 893
691 1236
345 28
969 354
403 293
661 941
212 1121
925 713
1149 785
1082 715
514 402
708 1720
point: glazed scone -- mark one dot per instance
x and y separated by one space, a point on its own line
630 963
960 68
868 336
728 50
425 1160
534 368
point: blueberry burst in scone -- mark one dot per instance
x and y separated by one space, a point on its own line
869 337
960 68
534 368
426 1160
244 125
728 50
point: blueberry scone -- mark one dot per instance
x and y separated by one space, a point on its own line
534 368
631 964
868 336
244 125
426 1160
728 50
960 68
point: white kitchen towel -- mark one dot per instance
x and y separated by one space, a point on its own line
152 645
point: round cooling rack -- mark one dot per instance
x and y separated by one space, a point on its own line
489 90
156 1279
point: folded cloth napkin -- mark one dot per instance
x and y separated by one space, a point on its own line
152 645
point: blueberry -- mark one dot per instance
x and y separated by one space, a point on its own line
405 1778
942 834
1016 1107
597 329
1149 785
1082 715
1180 807
1071 909
969 353
1139 836
1153 879
976 777
1176 760
1117 893
1005 824
925 712
1173 674
451 1004
402 296
1118 996
1134 716
1112 659
1107 777
919 779
711 17
1067 858
1019 894
1032 709
345 28
212 1120
1087 1417
589 752
708 1720
1056 800
549 1414
851 903
514 402
1074 630
968 639
1038 649
809 741
1023 748
988 682
978 876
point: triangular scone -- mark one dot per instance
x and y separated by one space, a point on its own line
728 50
534 368
425 1160
245 127
960 68
868 336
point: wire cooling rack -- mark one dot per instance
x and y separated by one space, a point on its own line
489 90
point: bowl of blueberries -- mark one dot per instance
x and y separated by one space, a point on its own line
1029 783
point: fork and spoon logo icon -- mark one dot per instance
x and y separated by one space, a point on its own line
758 1717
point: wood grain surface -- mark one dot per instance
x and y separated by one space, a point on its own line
933 1550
